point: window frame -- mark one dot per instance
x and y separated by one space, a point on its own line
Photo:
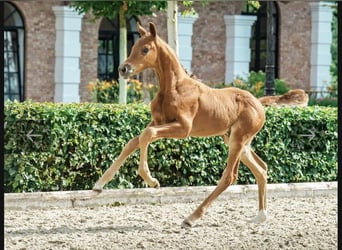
19 29
113 34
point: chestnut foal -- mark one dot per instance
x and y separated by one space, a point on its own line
185 107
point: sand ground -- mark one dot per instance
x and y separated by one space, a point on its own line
294 223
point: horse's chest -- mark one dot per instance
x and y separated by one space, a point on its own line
164 109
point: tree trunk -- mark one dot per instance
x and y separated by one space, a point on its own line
123 52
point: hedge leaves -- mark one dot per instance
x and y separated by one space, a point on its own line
52 146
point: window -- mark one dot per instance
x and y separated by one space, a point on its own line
258 41
108 46
13 53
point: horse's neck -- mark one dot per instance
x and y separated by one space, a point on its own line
170 70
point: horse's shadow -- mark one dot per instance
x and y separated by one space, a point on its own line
70 230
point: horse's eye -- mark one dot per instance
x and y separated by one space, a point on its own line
145 50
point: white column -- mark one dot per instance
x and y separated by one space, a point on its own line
321 37
185 25
238 54
67 54
172 30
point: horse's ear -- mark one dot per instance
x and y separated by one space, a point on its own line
141 29
153 29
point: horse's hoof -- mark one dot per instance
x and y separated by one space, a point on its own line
156 184
186 224
98 191
97 188
261 217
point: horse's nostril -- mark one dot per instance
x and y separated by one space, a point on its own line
125 69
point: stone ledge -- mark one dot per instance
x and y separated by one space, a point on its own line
70 199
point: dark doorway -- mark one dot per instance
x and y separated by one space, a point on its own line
258 41
108 46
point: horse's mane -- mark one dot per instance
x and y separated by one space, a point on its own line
193 76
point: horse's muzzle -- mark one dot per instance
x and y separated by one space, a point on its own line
126 70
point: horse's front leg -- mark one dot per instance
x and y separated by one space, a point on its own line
153 133
145 138
129 148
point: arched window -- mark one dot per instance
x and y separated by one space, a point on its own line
108 47
14 38
258 41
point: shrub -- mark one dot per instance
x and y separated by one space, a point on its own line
104 91
324 101
325 98
107 91
69 146
255 83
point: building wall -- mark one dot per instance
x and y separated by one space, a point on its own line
40 49
208 43
88 61
40 40
295 43
209 35
209 40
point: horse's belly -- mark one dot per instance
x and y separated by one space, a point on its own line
209 127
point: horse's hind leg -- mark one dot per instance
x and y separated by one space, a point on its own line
129 148
259 170
228 177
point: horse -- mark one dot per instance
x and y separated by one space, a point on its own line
183 107
294 97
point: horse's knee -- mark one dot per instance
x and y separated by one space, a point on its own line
146 136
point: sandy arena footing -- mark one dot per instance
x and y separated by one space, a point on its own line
300 217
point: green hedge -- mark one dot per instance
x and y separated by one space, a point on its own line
68 146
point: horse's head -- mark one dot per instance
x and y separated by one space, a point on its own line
143 54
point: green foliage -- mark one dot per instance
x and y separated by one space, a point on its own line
254 4
69 146
108 91
255 83
299 144
76 142
111 8
104 91
329 101
327 98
